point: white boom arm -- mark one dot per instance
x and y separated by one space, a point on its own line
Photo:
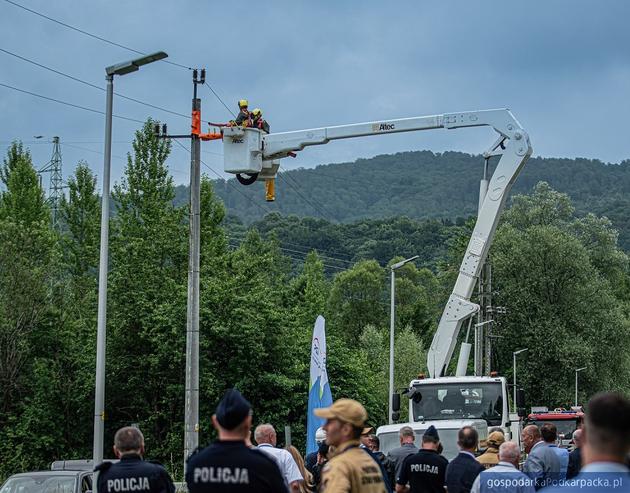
512 145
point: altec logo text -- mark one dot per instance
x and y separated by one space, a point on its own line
381 127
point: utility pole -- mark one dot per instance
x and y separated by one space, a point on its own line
191 422
482 327
56 186
191 410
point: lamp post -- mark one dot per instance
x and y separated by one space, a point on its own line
577 370
99 397
392 313
514 356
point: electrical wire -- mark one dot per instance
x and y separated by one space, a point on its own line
264 209
105 40
219 98
68 104
241 237
332 216
65 144
95 86
316 208
300 259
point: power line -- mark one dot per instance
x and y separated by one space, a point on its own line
301 259
66 103
316 208
299 186
95 86
219 98
264 209
237 237
65 144
104 40
32 142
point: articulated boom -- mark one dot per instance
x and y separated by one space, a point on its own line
252 152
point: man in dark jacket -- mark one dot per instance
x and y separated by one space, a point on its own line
575 457
228 465
424 471
396 456
464 469
132 473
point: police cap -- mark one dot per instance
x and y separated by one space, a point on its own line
432 432
232 410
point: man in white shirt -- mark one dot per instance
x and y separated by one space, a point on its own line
265 436
505 476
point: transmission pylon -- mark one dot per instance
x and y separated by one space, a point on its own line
55 189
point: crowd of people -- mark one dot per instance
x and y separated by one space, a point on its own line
349 459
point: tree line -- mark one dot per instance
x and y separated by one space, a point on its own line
425 185
561 276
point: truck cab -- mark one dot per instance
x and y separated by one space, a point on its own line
449 403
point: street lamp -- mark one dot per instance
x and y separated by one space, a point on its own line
577 370
391 333
514 356
99 397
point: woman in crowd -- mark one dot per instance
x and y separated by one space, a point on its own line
307 485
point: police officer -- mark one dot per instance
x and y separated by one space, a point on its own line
228 465
351 469
132 473
424 471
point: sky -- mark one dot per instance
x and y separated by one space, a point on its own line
561 66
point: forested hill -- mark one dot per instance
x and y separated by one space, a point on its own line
426 185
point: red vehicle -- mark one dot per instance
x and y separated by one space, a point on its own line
566 421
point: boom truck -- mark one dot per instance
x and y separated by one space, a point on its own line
447 402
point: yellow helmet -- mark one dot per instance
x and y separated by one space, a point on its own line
243 103
257 112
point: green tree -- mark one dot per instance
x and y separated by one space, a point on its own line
23 199
80 213
147 303
559 277
357 299
409 361
28 268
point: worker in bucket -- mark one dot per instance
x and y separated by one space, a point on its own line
244 117
258 121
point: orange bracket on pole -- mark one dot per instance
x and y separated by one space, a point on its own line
196 128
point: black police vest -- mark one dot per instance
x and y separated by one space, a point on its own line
231 467
133 475
424 471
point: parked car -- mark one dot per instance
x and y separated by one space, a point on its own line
69 476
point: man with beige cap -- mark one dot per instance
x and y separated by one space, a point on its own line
351 469
490 457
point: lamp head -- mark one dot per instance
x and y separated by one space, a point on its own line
133 65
